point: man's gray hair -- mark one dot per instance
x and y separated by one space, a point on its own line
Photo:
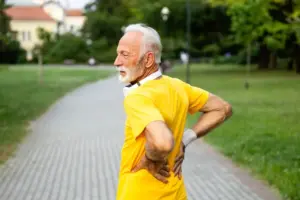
150 42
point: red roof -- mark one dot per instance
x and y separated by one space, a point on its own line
74 13
27 13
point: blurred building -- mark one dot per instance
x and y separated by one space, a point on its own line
26 19
74 20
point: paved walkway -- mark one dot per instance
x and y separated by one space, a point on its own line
73 153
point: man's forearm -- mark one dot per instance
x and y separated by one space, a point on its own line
206 123
209 121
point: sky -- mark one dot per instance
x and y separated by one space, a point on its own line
72 3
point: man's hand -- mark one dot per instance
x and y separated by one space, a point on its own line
178 161
159 169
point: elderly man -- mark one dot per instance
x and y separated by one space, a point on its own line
156 107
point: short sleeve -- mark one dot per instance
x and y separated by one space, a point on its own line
197 97
140 111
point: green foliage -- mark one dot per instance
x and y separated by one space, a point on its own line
4 19
68 46
251 21
102 52
10 50
211 49
105 22
294 20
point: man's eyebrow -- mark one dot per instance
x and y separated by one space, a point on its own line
123 51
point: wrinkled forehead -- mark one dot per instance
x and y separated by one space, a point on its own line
130 42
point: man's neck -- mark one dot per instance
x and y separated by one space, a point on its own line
148 73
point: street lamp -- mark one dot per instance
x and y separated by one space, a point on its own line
165 13
188 27
56 11
123 29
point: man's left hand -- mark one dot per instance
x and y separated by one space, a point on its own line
178 162
160 170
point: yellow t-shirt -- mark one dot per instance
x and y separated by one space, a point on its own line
168 99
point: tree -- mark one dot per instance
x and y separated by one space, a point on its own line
10 49
105 19
4 19
292 8
280 31
251 21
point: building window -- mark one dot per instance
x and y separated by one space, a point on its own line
23 36
26 36
29 36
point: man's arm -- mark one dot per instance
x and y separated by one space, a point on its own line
215 112
159 141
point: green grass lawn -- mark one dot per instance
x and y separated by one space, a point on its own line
263 134
23 99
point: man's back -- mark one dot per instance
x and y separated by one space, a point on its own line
172 99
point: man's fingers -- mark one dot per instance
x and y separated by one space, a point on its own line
166 168
177 164
179 158
177 170
180 173
138 167
161 178
164 173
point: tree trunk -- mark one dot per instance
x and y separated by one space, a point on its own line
290 65
297 58
273 60
264 57
40 59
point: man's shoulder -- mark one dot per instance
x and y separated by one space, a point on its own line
137 96
174 79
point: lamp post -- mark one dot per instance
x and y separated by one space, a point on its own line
165 15
123 29
56 11
188 27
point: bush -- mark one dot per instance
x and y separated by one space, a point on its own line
225 60
69 47
102 52
11 51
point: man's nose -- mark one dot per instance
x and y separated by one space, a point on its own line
117 61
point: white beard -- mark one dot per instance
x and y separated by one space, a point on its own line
130 74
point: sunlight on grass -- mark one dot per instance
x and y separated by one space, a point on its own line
23 98
264 132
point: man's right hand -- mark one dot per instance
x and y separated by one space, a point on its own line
160 170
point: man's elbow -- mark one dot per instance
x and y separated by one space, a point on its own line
227 109
159 137
165 144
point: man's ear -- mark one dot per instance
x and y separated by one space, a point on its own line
150 59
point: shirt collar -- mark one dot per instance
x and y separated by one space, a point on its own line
130 87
